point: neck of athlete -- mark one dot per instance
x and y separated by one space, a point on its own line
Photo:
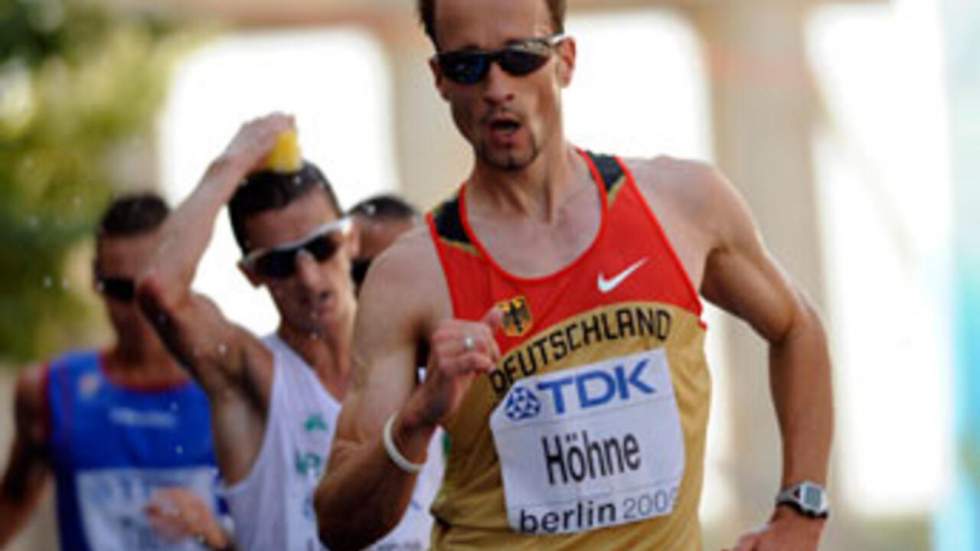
327 352
139 358
537 191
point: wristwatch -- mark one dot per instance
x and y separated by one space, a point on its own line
807 498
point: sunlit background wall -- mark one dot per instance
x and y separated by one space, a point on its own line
882 173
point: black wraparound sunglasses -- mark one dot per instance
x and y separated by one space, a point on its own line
359 268
517 59
279 262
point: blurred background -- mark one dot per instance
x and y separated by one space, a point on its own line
851 126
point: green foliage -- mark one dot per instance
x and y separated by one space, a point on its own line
78 84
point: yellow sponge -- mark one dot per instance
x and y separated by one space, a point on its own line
285 155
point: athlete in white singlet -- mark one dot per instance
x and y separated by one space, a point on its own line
274 403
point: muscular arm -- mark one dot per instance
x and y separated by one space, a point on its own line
28 469
364 494
230 364
738 274
741 277
717 240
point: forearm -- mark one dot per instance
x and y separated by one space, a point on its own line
800 380
364 494
188 230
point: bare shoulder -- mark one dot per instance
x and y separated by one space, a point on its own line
401 301
407 278
670 167
30 402
696 190
29 390
413 251
691 184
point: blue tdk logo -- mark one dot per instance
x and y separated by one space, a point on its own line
522 404
599 387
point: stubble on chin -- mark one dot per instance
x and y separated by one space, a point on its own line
508 162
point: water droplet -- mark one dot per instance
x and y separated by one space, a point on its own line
64 283
33 222
174 406
48 282
180 450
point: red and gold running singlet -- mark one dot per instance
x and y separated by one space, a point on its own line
590 433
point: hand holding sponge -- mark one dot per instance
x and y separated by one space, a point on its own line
285 156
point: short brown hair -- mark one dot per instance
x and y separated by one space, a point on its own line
267 190
386 206
427 15
131 215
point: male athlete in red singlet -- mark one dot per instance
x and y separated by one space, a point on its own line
557 296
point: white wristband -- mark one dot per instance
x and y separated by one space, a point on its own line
393 453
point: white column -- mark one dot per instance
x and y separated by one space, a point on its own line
432 157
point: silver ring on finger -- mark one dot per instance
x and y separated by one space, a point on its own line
469 343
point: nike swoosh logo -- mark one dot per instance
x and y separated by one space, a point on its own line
607 285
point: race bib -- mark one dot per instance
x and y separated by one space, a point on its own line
594 446
112 503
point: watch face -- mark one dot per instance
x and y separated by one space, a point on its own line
812 497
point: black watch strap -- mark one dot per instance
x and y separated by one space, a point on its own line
807 498
800 510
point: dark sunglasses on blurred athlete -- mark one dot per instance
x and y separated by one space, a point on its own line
517 59
279 262
359 268
117 288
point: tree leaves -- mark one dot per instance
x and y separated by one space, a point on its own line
78 84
